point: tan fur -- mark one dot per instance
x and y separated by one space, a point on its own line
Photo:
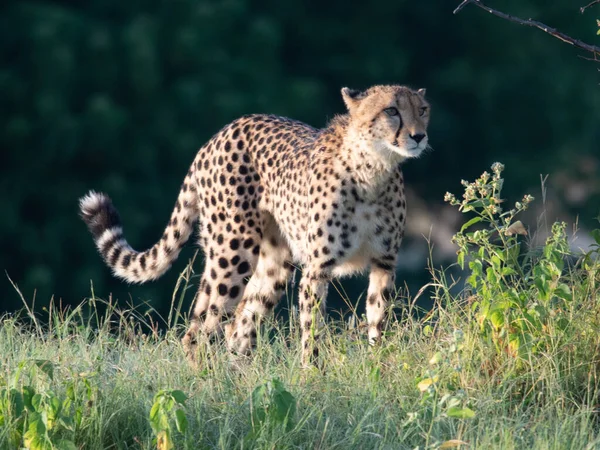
270 192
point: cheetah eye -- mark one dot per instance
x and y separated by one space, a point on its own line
391 111
422 111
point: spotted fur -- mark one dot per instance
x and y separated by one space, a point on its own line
270 192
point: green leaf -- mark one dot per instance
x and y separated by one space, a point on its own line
542 285
461 259
491 275
36 401
63 444
28 393
258 395
563 291
476 266
285 407
375 374
181 421
596 232
17 403
154 418
179 396
506 271
497 319
477 204
67 422
55 404
36 441
461 413
35 437
169 403
154 410
163 421
470 223
45 366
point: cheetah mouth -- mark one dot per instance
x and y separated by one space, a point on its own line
413 152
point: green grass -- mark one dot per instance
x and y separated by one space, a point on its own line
525 378
360 397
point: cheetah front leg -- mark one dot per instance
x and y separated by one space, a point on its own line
379 296
312 297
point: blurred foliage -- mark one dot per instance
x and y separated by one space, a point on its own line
117 96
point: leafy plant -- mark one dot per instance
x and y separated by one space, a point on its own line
591 257
271 406
39 418
517 296
168 406
442 393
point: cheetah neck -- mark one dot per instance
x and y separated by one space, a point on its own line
370 167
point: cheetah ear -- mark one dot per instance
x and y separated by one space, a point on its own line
351 97
422 91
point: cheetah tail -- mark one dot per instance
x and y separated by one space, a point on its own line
103 221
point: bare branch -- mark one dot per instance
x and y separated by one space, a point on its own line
461 6
583 8
595 50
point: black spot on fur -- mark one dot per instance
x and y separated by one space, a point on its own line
243 268
328 263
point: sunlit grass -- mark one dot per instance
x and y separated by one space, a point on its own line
359 397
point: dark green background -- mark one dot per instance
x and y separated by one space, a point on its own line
118 95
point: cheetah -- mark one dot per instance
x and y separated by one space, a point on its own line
270 192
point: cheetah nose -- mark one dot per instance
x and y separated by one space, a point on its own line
418 137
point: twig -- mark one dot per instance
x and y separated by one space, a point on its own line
532 23
583 8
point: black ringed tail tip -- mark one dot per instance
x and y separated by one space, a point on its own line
98 213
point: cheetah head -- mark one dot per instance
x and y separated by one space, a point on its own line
389 119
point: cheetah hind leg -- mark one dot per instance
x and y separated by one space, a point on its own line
263 291
220 291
